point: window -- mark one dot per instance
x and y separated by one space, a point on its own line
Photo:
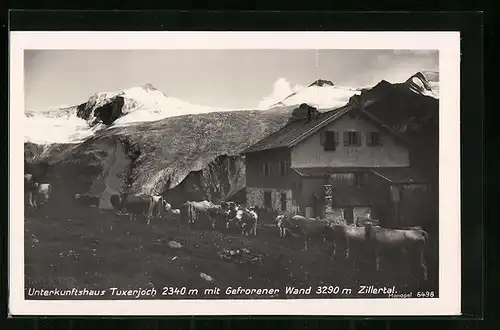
329 140
266 169
267 200
352 138
373 139
284 167
283 201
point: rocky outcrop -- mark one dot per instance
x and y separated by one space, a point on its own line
109 112
105 108
321 83
304 112
115 171
222 179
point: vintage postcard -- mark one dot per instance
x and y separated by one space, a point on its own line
234 173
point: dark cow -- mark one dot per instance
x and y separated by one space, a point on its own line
217 216
133 205
145 205
116 201
87 200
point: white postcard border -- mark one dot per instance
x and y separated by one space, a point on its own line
448 44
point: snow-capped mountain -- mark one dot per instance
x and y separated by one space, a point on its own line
146 104
321 94
425 83
76 123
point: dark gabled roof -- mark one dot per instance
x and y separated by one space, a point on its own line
400 175
320 171
296 131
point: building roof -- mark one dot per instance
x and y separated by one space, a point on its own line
318 171
400 175
296 131
390 174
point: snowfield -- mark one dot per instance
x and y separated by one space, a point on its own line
321 97
46 128
147 104
142 104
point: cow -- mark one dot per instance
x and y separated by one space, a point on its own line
248 221
204 210
342 234
87 200
234 215
145 205
31 187
42 193
157 204
217 216
188 212
411 240
116 202
299 226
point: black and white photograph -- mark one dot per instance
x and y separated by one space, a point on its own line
290 173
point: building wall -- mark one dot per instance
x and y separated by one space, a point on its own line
255 175
310 186
416 205
310 152
339 213
255 197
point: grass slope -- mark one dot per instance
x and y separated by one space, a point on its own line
70 247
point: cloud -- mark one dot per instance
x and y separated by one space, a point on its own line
281 89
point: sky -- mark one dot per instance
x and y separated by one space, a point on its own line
229 79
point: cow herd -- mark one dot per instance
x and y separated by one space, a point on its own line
232 216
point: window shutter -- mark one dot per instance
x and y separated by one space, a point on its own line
346 138
369 139
322 137
336 137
